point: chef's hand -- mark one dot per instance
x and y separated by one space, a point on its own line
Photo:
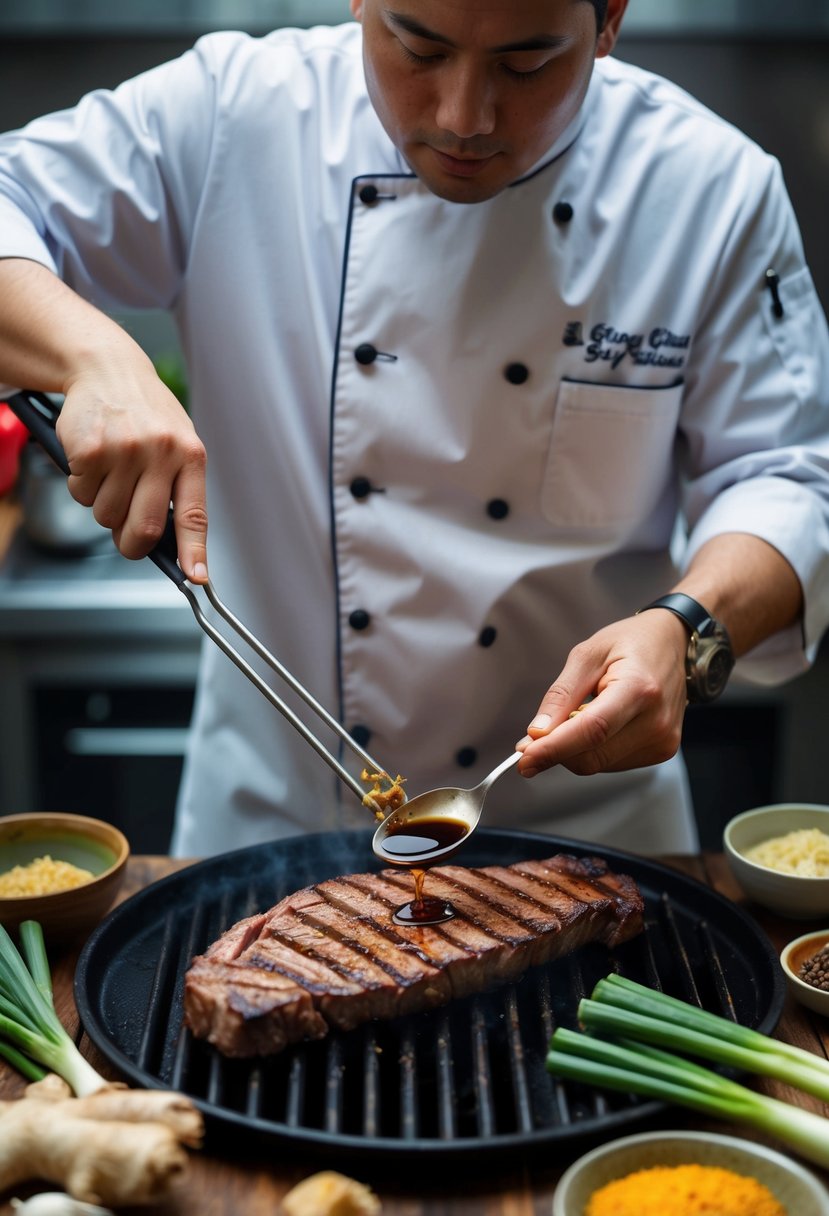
133 450
631 675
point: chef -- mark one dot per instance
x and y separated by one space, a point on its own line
512 385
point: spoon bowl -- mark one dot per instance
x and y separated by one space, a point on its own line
434 825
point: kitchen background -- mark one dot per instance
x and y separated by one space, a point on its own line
98 655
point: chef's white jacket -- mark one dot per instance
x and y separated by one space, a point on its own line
445 442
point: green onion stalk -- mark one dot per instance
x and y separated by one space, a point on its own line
31 1034
641 1022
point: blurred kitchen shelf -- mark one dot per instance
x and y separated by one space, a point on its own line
82 18
102 17
94 595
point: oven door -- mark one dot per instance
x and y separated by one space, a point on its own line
113 751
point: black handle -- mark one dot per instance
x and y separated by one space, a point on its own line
39 414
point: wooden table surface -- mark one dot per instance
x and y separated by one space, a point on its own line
254 1186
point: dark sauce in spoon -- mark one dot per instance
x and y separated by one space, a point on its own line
423 836
419 837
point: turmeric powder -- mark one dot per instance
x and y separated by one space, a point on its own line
684 1190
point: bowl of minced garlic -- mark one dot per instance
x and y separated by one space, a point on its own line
679 1173
779 855
61 870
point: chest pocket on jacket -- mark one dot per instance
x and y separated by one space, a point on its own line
611 454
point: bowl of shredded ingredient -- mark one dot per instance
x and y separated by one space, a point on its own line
805 962
679 1173
59 869
780 857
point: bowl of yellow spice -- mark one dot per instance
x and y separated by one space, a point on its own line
61 870
686 1173
779 855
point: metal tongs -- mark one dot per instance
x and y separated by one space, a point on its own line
40 415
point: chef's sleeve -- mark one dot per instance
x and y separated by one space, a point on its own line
755 420
106 194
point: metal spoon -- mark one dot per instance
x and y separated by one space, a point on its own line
432 826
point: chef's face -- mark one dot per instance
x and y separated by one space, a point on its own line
474 92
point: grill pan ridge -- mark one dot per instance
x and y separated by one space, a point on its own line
459 1081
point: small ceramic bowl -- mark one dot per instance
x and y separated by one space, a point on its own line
796 1189
792 959
792 895
90 844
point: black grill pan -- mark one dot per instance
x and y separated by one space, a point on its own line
453 1083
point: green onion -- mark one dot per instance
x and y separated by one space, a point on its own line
30 1031
639 1017
652 1074
621 1006
30 1070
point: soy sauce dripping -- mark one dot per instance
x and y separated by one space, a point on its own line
423 909
419 838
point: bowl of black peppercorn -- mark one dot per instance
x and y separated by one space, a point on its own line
806 964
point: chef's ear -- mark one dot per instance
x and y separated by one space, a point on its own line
609 31
356 9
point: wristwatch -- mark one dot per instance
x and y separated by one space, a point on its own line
709 659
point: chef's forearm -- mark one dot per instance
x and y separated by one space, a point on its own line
49 335
747 584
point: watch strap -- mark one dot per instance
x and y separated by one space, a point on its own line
697 618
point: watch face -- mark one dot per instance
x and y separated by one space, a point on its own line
718 669
709 669
708 664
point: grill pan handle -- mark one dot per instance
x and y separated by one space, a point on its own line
40 415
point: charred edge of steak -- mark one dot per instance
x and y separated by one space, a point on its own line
250 1010
628 906
330 955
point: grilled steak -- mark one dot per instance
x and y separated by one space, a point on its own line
330 955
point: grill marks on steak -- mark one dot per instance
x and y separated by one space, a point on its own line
330 955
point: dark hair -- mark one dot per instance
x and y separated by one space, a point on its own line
601 12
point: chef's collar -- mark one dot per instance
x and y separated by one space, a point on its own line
567 137
565 140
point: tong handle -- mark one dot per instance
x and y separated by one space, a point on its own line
40 415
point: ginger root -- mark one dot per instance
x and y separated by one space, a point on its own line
115 1146
330 1194
383 801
